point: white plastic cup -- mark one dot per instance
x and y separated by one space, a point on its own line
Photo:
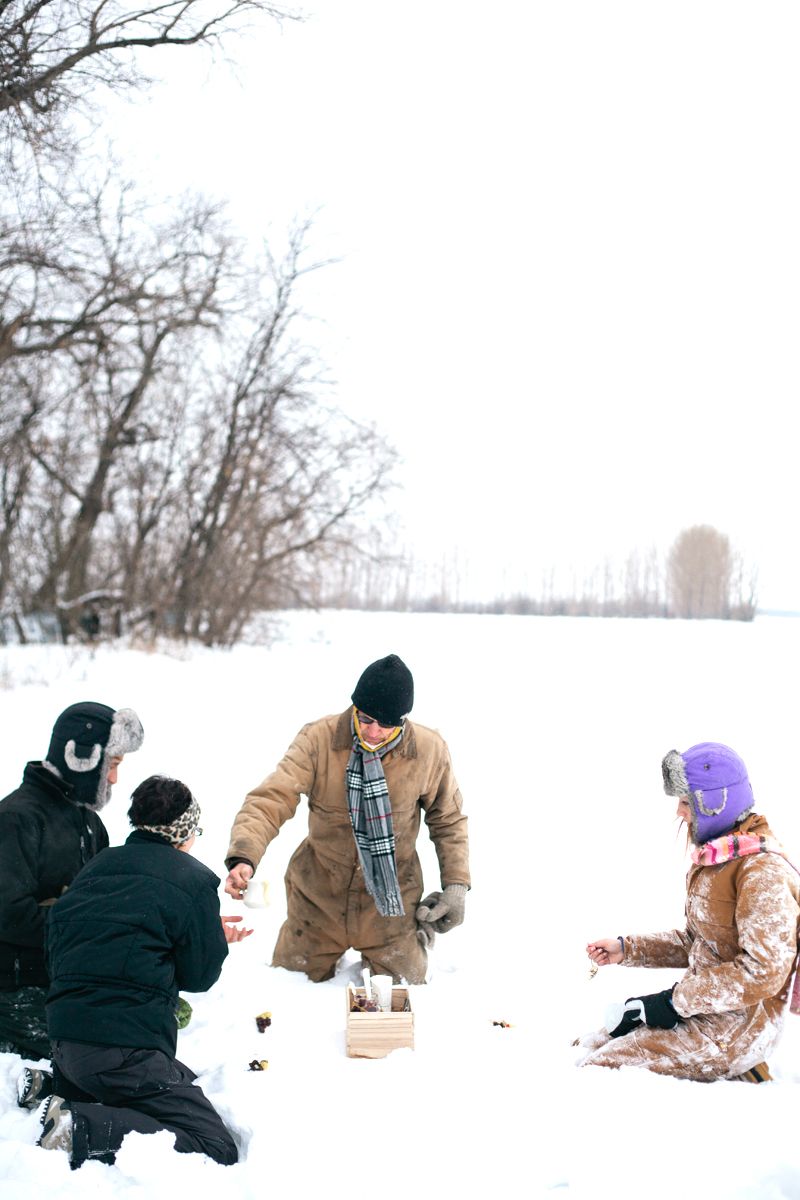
382 992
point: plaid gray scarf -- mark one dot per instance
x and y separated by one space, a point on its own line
371 815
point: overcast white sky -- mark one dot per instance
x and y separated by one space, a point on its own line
569 243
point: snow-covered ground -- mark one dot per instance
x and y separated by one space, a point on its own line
557 729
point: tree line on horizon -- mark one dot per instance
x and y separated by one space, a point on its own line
701 576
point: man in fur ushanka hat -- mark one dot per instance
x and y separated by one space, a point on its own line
49 828
370 775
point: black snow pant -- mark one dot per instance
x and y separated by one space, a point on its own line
23 1022
117 1090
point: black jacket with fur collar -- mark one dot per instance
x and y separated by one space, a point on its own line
45 839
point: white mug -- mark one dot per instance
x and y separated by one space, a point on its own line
257 894
382 992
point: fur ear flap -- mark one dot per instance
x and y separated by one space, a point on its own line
81 765
673 769
126 733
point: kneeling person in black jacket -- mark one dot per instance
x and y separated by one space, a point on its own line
140 922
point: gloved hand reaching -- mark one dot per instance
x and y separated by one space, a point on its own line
442 911
655 1010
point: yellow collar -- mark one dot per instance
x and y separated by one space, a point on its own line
367 745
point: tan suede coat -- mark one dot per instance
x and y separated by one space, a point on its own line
740 947
328 906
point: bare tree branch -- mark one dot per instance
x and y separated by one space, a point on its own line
42 44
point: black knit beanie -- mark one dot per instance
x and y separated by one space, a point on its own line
385 690
84 740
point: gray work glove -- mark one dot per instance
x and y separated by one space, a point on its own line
442 911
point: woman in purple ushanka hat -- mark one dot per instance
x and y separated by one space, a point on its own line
724 1016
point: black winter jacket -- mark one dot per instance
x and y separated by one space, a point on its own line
45 839
140 922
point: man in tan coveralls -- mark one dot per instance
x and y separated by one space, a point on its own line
356 880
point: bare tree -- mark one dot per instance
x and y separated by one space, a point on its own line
181 464
15 474
704 576
163 284
163 442
641 594
54 52
277 476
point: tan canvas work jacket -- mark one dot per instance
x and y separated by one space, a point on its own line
740 950
420 779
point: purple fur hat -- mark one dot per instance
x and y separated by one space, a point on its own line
715 780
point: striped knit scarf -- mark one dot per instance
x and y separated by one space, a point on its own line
371 815
734 845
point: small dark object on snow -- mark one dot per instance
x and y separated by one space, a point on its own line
503 1024
263 1021
258 1065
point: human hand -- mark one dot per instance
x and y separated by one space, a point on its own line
443 911
655 1010
238 879
232 932
605 951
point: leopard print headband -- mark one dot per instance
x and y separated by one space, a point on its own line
179 830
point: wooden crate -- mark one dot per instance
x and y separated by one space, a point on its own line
374 1035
